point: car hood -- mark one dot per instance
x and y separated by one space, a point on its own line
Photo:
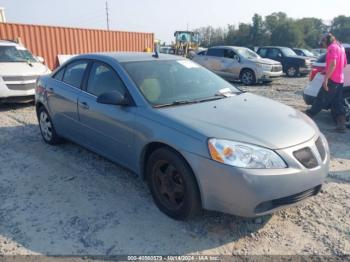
246 118
265 61
23 69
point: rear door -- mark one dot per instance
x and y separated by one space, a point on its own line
214 59
106 128
63 93
231 66
347 69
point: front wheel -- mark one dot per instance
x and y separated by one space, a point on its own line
248 77
173 185
46 127
292 71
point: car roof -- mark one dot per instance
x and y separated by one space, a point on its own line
130 56
229 47
274 47
8 43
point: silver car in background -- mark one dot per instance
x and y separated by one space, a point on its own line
197 140
239 63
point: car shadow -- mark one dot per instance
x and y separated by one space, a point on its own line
65 200
8 105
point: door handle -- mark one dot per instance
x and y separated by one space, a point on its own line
84 105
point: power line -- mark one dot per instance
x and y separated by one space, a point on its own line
107 15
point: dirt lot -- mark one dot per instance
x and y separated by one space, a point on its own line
66 200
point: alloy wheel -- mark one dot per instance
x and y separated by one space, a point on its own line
45 126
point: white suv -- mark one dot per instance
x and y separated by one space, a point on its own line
19 70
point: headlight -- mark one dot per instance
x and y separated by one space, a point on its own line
265 67
244 155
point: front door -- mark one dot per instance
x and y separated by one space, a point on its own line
107 128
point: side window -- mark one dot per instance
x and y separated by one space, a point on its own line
274 53
262 52
74 73
298 52
59 75
103 79
347 51
229 53
216 52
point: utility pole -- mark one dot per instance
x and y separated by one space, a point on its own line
107 15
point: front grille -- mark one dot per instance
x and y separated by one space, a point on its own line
272 204
20 78
276 68
306 157
321 149
23 87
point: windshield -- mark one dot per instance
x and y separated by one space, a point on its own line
288 51
13 54
308 53
247 53
165 82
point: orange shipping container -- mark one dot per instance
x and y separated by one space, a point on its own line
49 41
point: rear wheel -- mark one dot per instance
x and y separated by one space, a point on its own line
46 127
173 185
248 77
292 71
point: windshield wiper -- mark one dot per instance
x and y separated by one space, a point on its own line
194 101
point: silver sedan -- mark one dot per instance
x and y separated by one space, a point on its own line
198 141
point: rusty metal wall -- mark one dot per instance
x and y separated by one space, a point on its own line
49 41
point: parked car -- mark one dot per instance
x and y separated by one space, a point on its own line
319 51
306 53
198 141
293 65
239 63
19 70
317 76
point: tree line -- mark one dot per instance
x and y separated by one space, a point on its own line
276 29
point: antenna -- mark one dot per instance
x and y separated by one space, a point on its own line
107 15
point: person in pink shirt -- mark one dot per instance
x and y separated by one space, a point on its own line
331 93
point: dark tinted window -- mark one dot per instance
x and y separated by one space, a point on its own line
103 79
202 53
59 74
347 50
74 73
216 52
274 53
298 52
229 53
262 52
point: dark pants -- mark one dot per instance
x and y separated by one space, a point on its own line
333 99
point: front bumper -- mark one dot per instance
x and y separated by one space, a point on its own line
268 76
305 70
17 88
250 192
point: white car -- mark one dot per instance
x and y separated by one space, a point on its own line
19 70
317 77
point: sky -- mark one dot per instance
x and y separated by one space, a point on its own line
162 17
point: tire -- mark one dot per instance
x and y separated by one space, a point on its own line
347 107
292 71
247 77
172 184
47 129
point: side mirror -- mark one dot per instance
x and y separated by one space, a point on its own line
40 59
113 98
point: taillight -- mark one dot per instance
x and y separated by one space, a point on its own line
315 70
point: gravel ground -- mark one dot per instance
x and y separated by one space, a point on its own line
66 200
